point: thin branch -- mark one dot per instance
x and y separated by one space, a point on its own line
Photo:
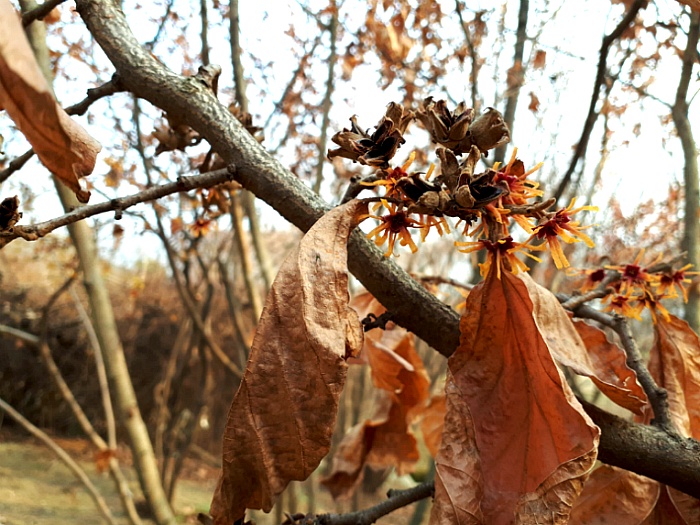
474 74
33 232
327 97
396 500
93 95
236 51
290 85
101 372
19 334
40 12
516 75
439 279
658 397
592 116
72 465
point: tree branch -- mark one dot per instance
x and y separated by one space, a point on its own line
40 12
658 397
592 116
413 307
33 232
396 500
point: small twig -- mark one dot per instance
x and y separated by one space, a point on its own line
601 291
70 463
372 321
439 279
93 95
40 12
356 186
33 232
397 499
658 397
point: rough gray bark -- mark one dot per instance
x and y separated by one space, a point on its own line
410 304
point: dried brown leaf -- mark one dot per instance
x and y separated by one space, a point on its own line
535 443
674 361
613 495
61 144
384 440
540 59
459 485
618 382
282 417
432 423
610 363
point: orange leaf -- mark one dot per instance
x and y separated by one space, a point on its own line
534 103
62 145
535 443
391 354
540 59
432 423
613 495
381 441
674 362
610 364
619 383
282 417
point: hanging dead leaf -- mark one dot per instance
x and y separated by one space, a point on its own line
391 354
384 440
610 364
613 495
459 484
282 417
674 361
534 103
535 443
432 423
540 59
618 382
62 145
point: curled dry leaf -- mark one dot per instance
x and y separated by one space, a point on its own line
613 495
282 417
674 361
610 363
385 439
432 423
609 371
62 145
617 496
509 405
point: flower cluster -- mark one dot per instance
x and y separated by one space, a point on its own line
629 289
485 203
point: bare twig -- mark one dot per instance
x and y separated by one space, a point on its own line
327 97
357 184
72 465
582 144
474 75
40 12
396 500
33 232
658 397
439 279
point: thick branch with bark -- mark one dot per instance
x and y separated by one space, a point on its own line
411 305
